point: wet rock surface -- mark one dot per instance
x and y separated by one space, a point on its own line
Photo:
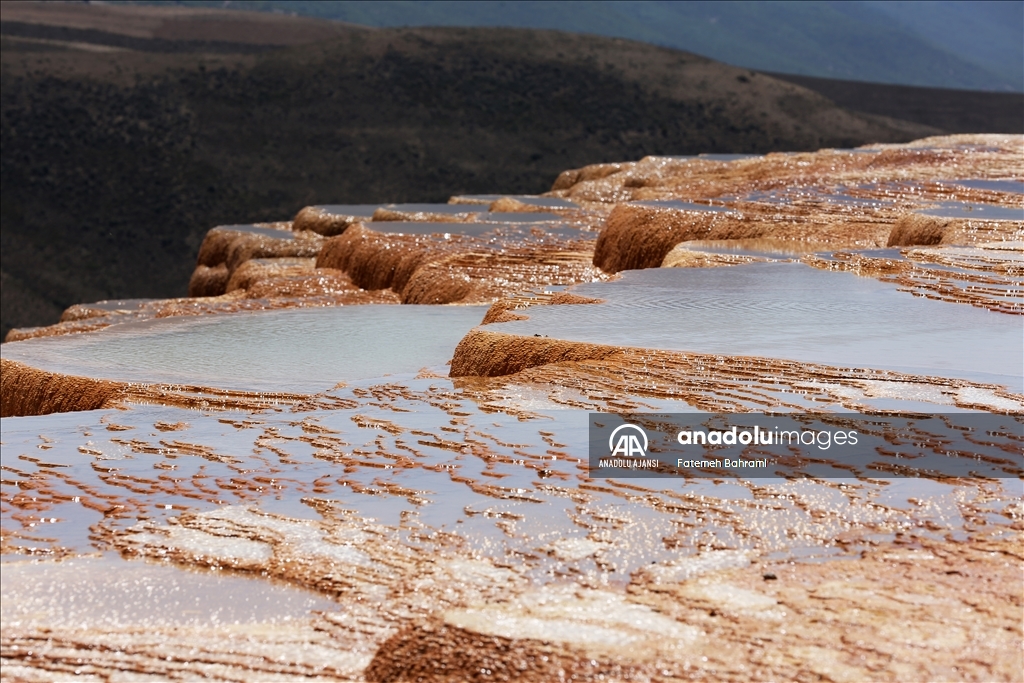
411 482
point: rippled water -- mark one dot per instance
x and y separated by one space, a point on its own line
1014 186
506 486
529 217
839 197
303 350
119 304
349 209
978 211
789 310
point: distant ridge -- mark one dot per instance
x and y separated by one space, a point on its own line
977 45
954 111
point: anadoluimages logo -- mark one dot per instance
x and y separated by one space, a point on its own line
628 443
798 445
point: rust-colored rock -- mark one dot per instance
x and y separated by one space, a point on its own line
641 236
915 229
904 610
501 310
320 287
209 281
485 275
218 243
256 270
570 178
435 652
681 257
67 327
423 269
491 354
376 260
225 249
572 299
25 390
830 199
316 219
437 283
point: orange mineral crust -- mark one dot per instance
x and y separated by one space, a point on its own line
323 222
942 601
870 197
28 391
458 268
913 608
987 275
605 377
911 173
24 390
226 248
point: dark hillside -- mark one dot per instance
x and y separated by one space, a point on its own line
115 163
955 111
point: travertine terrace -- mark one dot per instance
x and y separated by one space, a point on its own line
410 483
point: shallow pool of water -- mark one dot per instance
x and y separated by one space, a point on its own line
790 311
415 456
839 197
1014 186
303 350
435 208
349 209
981 212
526 217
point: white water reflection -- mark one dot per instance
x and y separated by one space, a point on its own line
107 592
299 350
790 311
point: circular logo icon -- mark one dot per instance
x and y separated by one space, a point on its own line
628 442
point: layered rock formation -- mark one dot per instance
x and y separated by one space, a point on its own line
447 514
619 216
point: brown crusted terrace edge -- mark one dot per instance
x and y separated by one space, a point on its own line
25 390
482 353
